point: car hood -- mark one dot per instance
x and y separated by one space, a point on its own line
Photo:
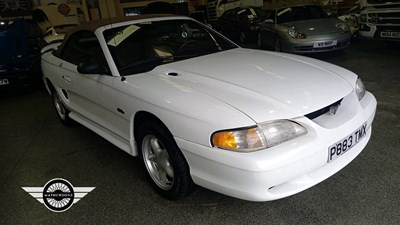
316 27
263 85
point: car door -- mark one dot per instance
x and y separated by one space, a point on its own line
90 96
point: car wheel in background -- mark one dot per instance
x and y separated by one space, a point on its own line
164 162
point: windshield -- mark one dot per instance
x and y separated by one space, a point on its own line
299 13
140 47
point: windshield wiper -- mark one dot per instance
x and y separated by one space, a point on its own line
179 57
141 62
158 60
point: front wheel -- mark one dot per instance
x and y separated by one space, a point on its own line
164 162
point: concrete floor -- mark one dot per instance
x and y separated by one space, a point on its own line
35 147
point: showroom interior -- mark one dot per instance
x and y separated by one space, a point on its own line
57 166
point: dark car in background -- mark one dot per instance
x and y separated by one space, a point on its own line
20 43
241 23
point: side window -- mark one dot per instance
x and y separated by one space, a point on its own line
83 46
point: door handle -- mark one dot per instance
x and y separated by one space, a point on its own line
67 79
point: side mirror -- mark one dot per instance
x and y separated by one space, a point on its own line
92 67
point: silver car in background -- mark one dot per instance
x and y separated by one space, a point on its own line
303 29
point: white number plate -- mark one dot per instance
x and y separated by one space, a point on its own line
390 34
342 146
325 44
4 81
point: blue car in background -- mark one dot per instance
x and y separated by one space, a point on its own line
20 43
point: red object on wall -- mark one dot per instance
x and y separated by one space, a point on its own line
63 9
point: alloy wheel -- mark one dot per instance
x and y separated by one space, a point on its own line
157 162
60 108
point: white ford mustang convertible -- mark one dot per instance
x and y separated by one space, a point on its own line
199 110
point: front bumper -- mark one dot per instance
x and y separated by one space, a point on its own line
368 31
283 170
307 45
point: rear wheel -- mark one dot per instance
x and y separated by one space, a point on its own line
62 112
164 162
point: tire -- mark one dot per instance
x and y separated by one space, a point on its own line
62 112
277 45
165 164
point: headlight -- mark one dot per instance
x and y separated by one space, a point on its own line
294 33
343 28
265 135
280 131
360 89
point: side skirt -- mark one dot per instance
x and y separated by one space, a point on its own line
109 136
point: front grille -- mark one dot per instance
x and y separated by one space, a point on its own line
384 18
384 21
385 15
322 111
